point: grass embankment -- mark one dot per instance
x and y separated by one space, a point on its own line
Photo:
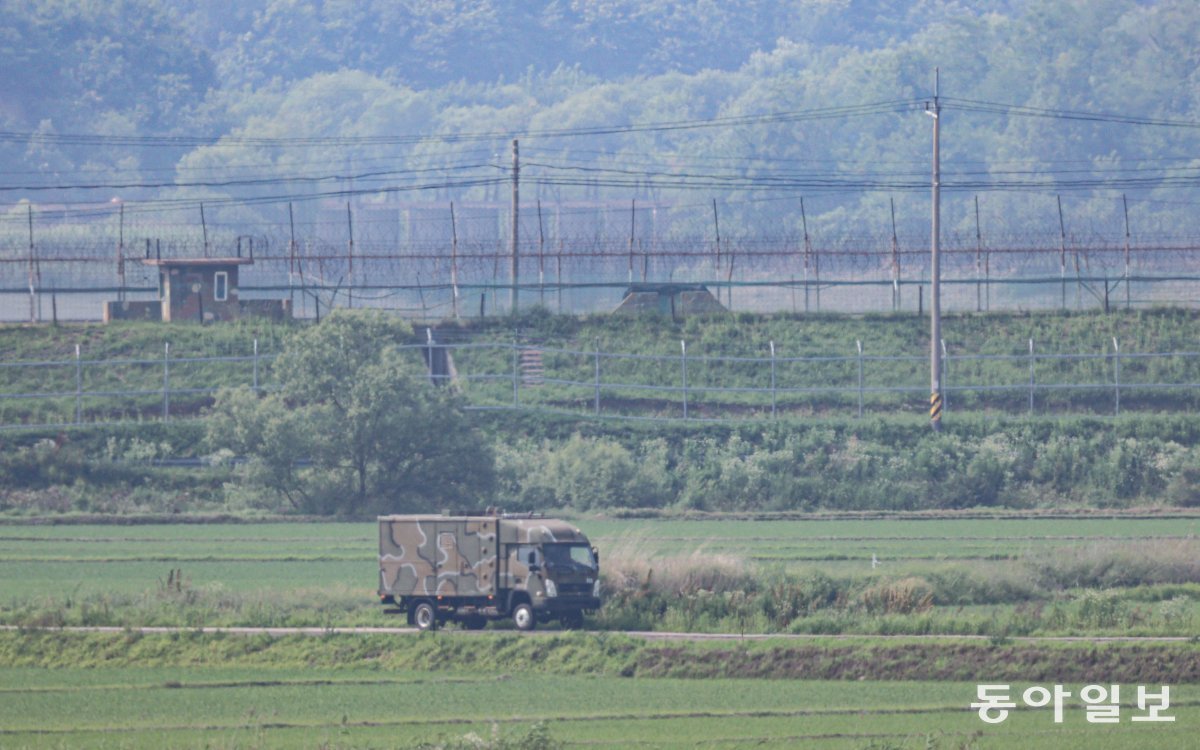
815 356
512 691
613 655
816 369
816 456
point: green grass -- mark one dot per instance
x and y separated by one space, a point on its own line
360 705
721 349
816 455
817 366
981 576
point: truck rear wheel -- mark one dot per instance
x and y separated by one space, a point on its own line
424 616
523 616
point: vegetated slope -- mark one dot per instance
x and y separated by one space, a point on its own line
817 369
886 461
613 654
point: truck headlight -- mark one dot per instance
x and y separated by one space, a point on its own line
551 588
596 588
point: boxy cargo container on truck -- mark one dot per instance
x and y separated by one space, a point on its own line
471 568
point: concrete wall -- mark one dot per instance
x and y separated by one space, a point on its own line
132 310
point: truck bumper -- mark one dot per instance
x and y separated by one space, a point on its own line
566 604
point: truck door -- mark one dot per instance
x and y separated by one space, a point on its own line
447 559
483 554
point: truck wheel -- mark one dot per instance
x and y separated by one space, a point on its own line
424 616
571 620
523 616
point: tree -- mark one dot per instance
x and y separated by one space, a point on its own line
355 427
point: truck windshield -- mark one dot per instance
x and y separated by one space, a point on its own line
569 554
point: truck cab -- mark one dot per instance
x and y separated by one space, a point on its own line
471 568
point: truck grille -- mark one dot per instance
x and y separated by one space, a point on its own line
574 589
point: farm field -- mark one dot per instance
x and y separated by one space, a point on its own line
127 690
37 560
358 706
1138 575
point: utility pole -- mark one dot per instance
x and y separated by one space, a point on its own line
292 260
1125 207
1062 251
34 271
350 257
935 270
453 262
204 229
515 263
121 251
895 260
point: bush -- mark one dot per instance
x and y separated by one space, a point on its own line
585 474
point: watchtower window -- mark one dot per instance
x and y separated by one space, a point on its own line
221 286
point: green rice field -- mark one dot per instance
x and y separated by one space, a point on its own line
357 707
281 557
581 690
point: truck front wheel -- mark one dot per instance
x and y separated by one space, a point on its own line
523 617
424 616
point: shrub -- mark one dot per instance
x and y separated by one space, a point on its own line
904 596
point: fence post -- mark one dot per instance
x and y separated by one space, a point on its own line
78 387
256 366
683 364
1031 377
166 381
858 343
597 405
1116 377
429 355
773 380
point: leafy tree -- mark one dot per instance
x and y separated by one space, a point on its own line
121 67
355 427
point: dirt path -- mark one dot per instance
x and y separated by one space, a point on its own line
644 635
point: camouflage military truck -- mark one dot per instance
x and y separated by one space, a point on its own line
471 568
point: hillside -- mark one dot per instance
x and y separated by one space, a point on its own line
248 106
813 455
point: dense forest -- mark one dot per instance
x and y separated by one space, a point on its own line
752 103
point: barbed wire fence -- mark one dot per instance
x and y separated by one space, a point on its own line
428 264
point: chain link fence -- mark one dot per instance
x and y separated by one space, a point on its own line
591 383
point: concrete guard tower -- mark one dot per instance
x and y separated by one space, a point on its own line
201 289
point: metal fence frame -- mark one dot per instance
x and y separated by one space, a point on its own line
685 395
61 279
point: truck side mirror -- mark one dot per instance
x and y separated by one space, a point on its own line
596 556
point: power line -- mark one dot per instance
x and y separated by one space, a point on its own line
248 182
972 105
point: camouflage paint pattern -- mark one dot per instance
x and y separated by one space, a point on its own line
431 555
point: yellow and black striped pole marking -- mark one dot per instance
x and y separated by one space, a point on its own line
935 409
